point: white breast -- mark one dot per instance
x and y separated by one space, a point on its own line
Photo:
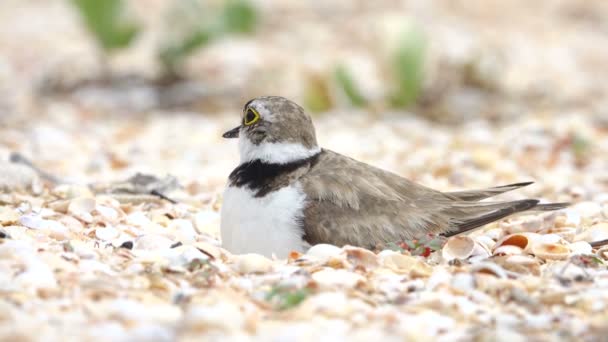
266 225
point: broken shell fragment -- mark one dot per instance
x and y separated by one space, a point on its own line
400 263
81 208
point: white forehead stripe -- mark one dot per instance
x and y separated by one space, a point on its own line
280 153
264 112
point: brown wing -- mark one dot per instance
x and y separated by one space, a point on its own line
350 202
353 203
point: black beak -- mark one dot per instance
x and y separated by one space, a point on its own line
233 133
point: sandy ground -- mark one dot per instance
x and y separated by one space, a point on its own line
515 93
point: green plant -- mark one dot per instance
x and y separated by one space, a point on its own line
347 85
407 66
285 298
107 21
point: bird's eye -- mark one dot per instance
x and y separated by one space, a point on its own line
251 117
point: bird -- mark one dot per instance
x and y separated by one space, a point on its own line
288 194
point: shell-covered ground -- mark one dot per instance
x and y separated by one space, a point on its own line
89 251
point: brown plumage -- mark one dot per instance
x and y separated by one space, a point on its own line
349 202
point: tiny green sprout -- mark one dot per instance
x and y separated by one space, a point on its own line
348 86
286 298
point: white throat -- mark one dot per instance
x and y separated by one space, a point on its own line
280 153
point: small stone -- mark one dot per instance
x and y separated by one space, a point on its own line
127 245
8 216
184 230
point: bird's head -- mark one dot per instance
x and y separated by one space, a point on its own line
274 129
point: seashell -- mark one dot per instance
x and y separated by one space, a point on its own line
361 256
184 230
71 191
580 247
489 268
31 221
405 264
528 223
587 209
522 264
494 234
508 250
485 241
602 252
252 263
324 251
550 251
81 208
521 240
568 233
8 216
208 249
206 222
106 212
597 232
549 238
331 278
152 242
458 247
107 233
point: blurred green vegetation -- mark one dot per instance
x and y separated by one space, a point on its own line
407 67
107 21
199 25
347 85
285 298
404 67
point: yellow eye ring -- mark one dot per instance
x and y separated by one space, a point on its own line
251 117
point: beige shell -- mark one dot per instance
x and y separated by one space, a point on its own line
523 241
458 247
400 263
81 208
551 251
567 233
489 268
508 250
602 252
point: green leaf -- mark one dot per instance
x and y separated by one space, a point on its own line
286 298
346 83
239 16
191 25
107 21
407 66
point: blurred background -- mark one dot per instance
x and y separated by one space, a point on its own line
449 93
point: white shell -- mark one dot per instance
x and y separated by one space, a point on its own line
324 251
252 263
551 251
81 208
458 247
